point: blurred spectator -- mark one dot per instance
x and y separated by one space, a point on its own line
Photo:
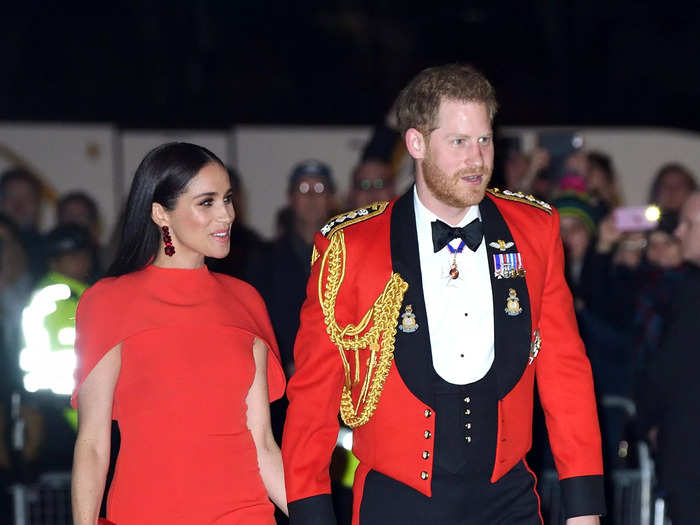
373 180
602 181
48 378
660 277
669 402
578 229
672 185
77 207
15 288
20 200
246 245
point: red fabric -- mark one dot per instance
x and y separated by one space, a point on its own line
392 442
186 454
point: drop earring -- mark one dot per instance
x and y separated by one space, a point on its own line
169 248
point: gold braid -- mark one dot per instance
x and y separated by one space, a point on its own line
383 315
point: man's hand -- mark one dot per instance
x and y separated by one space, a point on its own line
584 520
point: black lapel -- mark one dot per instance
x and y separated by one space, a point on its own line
411 350
511 333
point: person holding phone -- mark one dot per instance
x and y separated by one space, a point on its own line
184 359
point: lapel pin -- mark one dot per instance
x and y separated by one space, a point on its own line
408 320
501 245
513 303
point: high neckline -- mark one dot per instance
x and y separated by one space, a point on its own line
179 285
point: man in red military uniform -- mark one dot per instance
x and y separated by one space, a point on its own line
427 322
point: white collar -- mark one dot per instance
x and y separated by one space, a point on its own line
424 216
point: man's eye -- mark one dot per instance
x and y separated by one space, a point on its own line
458 142
484 140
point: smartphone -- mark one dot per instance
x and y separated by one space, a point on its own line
636 218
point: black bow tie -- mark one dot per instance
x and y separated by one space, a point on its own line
471 234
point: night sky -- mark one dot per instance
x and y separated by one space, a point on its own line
211 64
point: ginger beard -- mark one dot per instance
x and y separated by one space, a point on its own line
450 189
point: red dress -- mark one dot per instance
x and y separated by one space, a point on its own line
186 456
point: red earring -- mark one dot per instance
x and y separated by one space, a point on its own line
169 248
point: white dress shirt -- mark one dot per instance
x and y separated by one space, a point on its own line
460 311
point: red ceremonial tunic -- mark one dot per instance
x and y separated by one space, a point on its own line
186 453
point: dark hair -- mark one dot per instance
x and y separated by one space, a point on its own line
162 177
18 174
81 197
602 162
418 103
665 170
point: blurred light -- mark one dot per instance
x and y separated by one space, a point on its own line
345 438
66 336
46 368
652 213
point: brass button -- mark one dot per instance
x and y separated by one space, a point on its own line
469 439
468 425
428 412
426 454
467 400
427 434
424 475
467 412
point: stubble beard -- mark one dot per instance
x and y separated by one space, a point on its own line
448 188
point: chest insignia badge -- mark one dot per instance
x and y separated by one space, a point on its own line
513 303
408 320
501 245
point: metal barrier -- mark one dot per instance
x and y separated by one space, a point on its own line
46 502
633 502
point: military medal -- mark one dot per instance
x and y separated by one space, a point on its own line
408 320
513 303
508 265
454 271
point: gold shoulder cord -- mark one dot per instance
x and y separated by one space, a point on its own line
383 315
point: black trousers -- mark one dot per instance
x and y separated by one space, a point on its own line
458 499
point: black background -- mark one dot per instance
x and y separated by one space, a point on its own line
213 63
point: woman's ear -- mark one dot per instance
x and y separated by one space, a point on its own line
159 215
415 143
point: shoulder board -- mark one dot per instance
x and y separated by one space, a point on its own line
351 217
519 196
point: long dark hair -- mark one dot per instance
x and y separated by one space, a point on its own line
162 177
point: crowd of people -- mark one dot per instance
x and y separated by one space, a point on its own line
625 280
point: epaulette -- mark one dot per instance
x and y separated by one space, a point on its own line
351 217
519 196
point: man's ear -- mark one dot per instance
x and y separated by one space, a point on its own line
159 215
415 143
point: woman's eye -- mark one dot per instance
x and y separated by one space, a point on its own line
228 199
207 202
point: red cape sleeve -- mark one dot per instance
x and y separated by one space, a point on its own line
97 329
276 380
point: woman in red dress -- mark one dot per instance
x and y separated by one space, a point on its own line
184 359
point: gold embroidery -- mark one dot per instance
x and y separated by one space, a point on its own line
521 197
351 217
314 255
379 338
